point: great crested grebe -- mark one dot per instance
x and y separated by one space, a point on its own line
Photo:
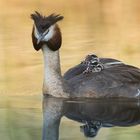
94 77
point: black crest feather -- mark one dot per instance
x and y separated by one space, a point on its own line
44 22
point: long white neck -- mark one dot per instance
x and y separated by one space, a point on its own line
53 81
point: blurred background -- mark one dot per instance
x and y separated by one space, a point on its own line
107 28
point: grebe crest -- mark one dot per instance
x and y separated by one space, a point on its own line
46 31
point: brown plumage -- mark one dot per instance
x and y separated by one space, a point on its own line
116 81
54 43
43 23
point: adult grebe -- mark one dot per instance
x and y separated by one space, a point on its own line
94 77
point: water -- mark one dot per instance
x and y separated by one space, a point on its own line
21 118
94 114
108 29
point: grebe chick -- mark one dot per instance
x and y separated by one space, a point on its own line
105 77
92 64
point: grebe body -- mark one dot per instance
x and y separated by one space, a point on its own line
95 78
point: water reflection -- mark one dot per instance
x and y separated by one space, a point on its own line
52 113
93 114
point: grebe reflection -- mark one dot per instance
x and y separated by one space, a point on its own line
92 114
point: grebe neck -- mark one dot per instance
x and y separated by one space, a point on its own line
53 81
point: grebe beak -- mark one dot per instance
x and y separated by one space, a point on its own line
39 39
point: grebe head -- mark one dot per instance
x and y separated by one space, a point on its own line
46 31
